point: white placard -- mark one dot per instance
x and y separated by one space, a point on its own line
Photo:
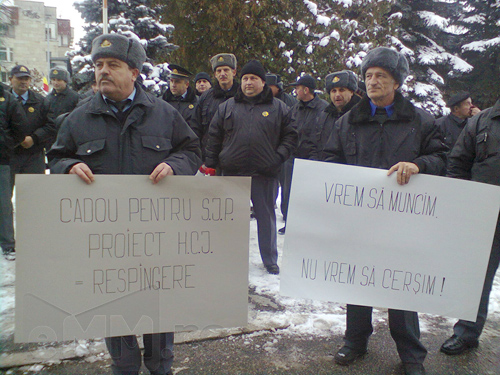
123 256
355 236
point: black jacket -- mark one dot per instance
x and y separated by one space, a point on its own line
451 126
208 104
40 124
409 135
186 106
250 136
62 102
154 132
476 155
305 121
327 120
288 99
13 127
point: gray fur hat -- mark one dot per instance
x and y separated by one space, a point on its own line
392 61
59 73
120 47
223 59
344 78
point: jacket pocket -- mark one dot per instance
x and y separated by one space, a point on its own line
156 143
90 148
487 144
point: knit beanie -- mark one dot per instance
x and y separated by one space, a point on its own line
254 67
202 75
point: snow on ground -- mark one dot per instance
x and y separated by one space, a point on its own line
301 316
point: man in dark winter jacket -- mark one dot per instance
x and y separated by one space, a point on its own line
124 130
276 85
182 97
342 87
452 125
475 157
29 156
305 113
224 67
202 83
62 99
385 130
12 132
251 135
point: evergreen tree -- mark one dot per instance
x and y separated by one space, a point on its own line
479 23
429 39
289 37
139 19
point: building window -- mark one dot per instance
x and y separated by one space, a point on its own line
7 30
6 54
63 41
4 77
50 28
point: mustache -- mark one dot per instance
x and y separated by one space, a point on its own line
105 77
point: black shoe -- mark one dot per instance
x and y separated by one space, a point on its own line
455 345
273 269
345 356
9 254
282 230
413 369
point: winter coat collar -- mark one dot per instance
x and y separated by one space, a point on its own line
331 109
265 97
313 103
97 105
218 92
63 92
404 110
189 98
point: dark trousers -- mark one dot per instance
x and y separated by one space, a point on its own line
7 240
263 195
27 163
470 331
403 325
126 355
287 171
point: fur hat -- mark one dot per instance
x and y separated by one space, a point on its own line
223 59
254 67
457 98
392 61
344 78
59 73
120 47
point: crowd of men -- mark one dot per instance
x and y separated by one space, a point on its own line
246 127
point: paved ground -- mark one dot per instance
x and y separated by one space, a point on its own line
274 352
